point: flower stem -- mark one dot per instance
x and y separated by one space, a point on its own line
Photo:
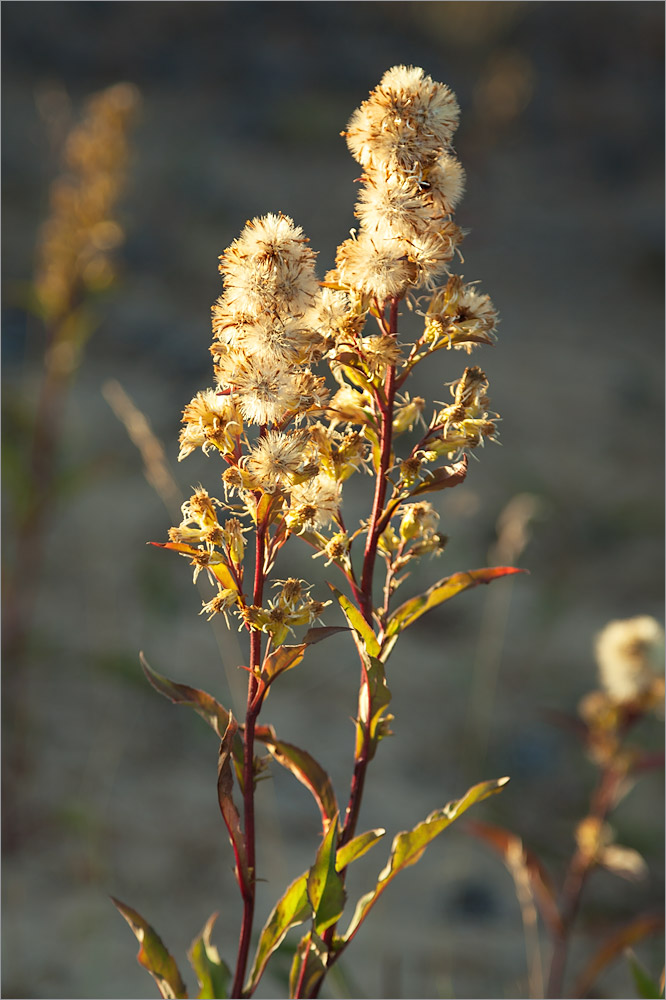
253 709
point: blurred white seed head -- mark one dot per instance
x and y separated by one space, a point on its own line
628 653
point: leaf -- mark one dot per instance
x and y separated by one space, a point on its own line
357 622
309 773
291 909
357 847
153 955
325 888
212 973
646 986
283 658
442 591
630 934
217 566
374 699
311 950
225 784
409 846
315 635
510 846
182 694
443 478
294 907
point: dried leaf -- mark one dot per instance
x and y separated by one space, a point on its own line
153 955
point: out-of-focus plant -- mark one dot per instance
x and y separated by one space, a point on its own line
74 265
288 446
629 657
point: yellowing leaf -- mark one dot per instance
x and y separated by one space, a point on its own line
357 622
409 846
292 909
442 591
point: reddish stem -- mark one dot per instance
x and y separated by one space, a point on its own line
253 709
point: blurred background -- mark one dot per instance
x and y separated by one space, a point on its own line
235 111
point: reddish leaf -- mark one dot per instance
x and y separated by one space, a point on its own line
225 784
307 770
508 845
443 478
631 933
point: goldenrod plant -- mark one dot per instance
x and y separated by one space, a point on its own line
288 440
629 654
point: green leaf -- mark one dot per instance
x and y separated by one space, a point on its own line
442 478
357 847
325 888
357 622
230 815
374 699
311 950
309 772
153 955
291 909
212 973
294 907
646 986
442 591
283 658
409 846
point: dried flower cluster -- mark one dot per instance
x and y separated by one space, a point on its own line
81 232
288 445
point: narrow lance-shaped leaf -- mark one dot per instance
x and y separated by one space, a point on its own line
212 973
646 987
325 888
514 854
309 772
443 478
153 955
182 694
215 563
225 784
294 907
409 846
357 622
442 591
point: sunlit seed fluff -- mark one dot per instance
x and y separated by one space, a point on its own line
446 184
269 268
431 252
313 504
375 266
393 207
627 653
264 391
407 120
276 458
211 421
